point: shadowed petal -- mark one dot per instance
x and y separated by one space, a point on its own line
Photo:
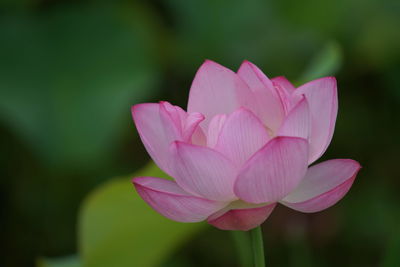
242 219
323 185
321 96
167 198
203 171
241 136
274 171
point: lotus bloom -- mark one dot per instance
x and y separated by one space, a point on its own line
243 145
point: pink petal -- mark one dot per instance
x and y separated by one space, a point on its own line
283 83
242 219
322 201
298 122
203 171
241 136
167 198
159 125
177 122
175 114
171 119
153 134
198 137
255 78
189 126
214 128
216 90
274 171
324 185
321 95
267 104
285 90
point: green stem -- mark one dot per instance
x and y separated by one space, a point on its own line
243 247
258 247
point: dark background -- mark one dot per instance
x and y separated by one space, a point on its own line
70 70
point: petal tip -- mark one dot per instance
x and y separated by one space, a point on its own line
138 181
356 164
246 62
136 108
210 63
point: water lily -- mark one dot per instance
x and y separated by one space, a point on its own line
244 144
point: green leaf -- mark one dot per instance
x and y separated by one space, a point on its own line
71 261
325 63
117 228
68 93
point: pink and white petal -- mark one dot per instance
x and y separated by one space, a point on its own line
203 171
183 124
241 136
323 185
284 83
267 104
255 78
175 113
242 219
285 90
298 122
323 201
171 118
322 99
274 171
216 90
191 125
214 129
168 199
154 134
198 137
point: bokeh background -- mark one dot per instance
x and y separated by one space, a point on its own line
70 70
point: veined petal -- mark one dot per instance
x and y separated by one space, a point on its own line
178 123
255 78
321 96
161 124
216 90
167 198
323 185
190 125
298 122
241 219
214 129
175 114
285 90
171 118
241 136
203 171
153 134
267 104
274 171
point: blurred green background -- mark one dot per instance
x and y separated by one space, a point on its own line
70 70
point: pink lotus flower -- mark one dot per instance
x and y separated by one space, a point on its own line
243 146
